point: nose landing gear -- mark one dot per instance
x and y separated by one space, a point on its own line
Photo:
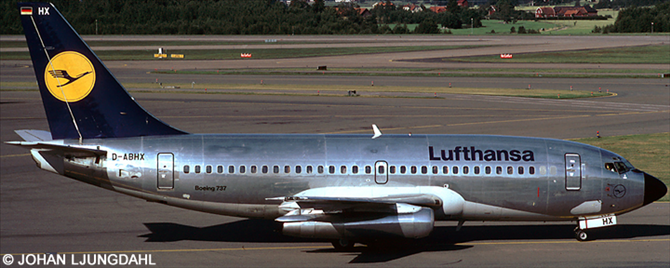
581 235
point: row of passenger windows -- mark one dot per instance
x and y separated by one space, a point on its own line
520 170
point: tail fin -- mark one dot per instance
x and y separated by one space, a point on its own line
82 99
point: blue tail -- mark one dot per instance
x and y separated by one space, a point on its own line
82 99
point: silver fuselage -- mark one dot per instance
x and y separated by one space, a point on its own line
507 178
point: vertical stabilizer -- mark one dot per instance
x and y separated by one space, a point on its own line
82 99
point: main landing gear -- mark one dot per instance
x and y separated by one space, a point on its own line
343 244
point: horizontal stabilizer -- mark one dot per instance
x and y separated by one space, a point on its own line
34 135
66 149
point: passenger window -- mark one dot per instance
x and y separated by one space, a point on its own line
435 169
343 169
520 170
275 169
403 169
287 169
309 169
531 170
208 169
197 169
331 169
510 170
454 170
186 169
498 170
231 169
320 169
354 169
253 169
368 169
466 169
413 169
424 169
380 169
392 169
219 169
264 169
298 169
445 170
243 169
487 170
477 170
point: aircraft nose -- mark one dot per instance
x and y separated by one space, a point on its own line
654 189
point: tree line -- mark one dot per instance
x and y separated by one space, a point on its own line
244 17
640 20
235 17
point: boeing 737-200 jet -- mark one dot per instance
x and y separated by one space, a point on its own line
342 188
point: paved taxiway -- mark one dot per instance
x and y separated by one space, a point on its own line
46 213
43 212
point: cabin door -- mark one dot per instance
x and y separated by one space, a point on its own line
381 172
165 171
573 172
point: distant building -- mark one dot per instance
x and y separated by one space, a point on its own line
438 9
363 11
412 8
463 3
545 12
548 12
383 4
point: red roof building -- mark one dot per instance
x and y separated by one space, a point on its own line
545 12
463 3
438 9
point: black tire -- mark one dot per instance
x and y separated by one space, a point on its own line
343 244
581 235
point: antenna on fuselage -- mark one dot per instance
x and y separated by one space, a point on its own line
378 133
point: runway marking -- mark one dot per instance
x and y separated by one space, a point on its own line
562 242
13 155
329 246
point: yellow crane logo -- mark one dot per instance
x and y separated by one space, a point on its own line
69 76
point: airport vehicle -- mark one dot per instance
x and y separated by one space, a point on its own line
344 188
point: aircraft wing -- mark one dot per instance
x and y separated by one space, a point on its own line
313 204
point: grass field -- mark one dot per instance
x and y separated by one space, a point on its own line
546 73
502 28
337 90
648 152
644 54
227 54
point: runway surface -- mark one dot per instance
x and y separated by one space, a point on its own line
46 213
43 212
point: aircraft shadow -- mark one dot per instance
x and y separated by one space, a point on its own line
441 239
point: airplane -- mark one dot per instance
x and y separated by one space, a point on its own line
346 189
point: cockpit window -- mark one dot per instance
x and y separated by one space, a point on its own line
617 167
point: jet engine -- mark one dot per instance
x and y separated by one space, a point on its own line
415 224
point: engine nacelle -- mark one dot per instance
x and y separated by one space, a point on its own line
408 225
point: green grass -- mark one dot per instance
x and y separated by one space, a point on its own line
647 152
501 28
157 44
627 55
426 72
227 54
339 90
